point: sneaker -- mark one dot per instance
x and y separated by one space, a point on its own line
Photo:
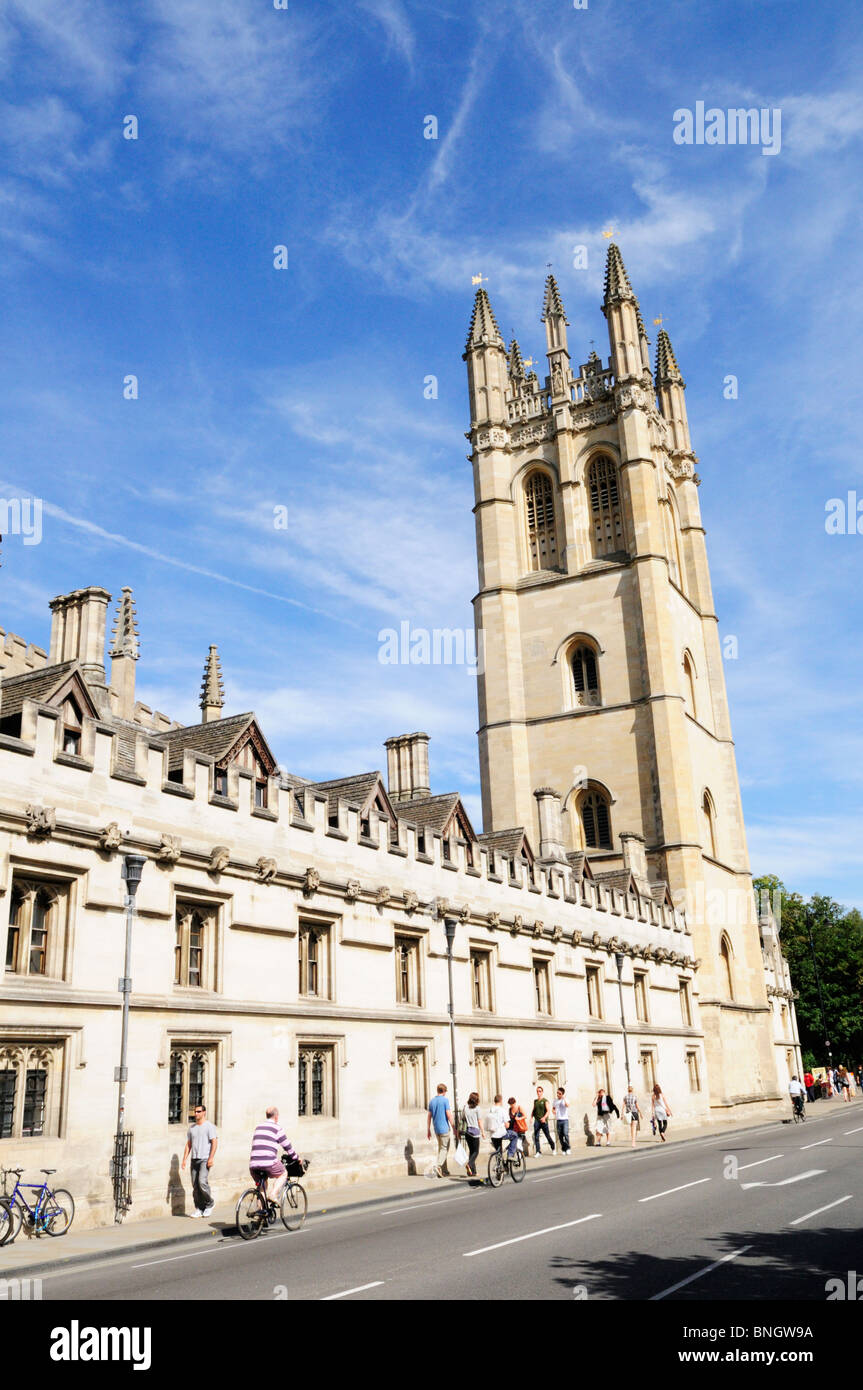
208 1211
195 1213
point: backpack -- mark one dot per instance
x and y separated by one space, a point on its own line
519 1123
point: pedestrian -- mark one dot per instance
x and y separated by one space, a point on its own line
202 1141
809 1083
660 1110
632 1112
440 1117
497 1122
516 1126
845 1083
605 1107
859 1075
561 1120
540 1121
473 1132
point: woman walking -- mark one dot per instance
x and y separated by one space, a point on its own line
632 1112
605 1107
473 1132
660 1110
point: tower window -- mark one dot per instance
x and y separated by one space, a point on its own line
585 680
689 684
727 973
596 820
541 530
708 825
604 491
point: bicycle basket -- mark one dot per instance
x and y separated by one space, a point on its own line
296 1167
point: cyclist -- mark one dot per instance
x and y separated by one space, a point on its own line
797 1092
264 1160
516 1126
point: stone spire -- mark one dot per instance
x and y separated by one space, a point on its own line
483 324
617 284
212 688
666 363
124 637
552 307
516 363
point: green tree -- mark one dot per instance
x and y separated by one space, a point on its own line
837 939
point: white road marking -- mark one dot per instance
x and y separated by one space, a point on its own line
171 1258
437 1202
669 1190
743 1166
700 1275
817 1144
798 1177
819 1210
359 1289
854 1131
531 1234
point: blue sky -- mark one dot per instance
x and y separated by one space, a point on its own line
304 387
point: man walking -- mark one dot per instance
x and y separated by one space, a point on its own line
561 1119
540 1121
440 1118
201 1142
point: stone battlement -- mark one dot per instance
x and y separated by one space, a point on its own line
17 655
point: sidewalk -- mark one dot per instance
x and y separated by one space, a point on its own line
37 1256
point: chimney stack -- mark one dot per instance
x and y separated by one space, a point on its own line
408 766
551 846
78 631
634 856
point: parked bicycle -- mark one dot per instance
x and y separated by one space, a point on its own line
499 1163
255 1210
8 1224
50 1212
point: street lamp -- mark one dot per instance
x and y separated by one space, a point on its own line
618 957
133 866
449 927
809 914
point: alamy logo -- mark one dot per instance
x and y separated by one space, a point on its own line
21 516
77 1343
850 1288
440 646
738 125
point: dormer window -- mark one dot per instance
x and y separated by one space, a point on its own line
261 793
71 714
220 781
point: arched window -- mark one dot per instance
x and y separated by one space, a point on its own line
541 529
585 676
675 549
605 514
595 812
708 825
689 685
727 976
71 725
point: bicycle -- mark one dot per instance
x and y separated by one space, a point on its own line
51 1214
499 1163
798 1109
8 1224
255 1210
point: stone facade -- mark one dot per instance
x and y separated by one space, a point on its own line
289 944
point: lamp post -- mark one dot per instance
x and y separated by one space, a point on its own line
133 866
808 912
618 957
449 927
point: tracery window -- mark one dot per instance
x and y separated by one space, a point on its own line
541 527
595 810
605 510
30 1076
585 675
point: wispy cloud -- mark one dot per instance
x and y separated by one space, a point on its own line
393 18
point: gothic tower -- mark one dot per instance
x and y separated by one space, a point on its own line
602 676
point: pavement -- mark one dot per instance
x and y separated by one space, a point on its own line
173 1237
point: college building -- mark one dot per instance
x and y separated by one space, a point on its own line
290 942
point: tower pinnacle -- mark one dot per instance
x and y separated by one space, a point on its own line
483 324
124 637
666 363
212 688
617 284
552 307
516 363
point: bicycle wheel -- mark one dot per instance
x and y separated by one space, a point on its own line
518 1167
251 1213
10 1220
58 1212
496 1168
294 1205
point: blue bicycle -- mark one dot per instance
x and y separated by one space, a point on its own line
47 1213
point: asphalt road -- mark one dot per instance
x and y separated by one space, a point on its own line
768 1214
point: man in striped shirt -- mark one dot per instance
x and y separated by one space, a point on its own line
267 1139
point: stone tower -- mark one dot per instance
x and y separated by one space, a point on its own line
603 673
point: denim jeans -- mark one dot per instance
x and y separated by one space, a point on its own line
563 1135
541 1127
201 1193
513 1136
